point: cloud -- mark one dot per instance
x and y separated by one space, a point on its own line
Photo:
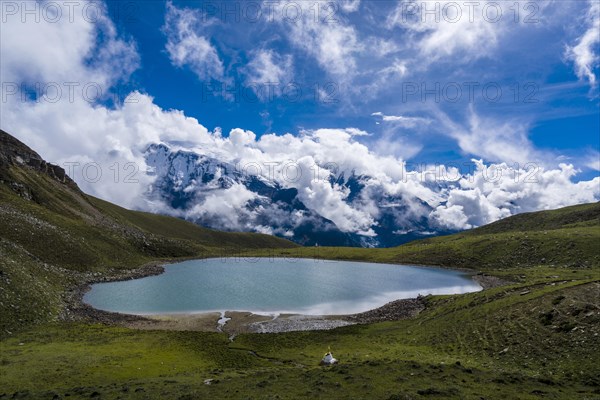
349 5
497 191
407 122
329 200
313 162
394 138
226 208
266 66
592 161
268 70
328 38
187 45
112 140
102 147
584 53
101 141
492 138
357 132
445 29
80 51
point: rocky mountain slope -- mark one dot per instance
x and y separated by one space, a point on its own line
186 181
52 235
536 336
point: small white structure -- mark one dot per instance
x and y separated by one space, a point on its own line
328 359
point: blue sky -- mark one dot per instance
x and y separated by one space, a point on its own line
525 56
379 88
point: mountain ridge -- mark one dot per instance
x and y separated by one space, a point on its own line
52 235
535 335
186 180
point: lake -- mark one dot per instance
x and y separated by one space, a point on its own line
272 285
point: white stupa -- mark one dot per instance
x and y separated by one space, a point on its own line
328 359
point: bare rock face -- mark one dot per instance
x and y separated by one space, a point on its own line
14 152
35 163
58 172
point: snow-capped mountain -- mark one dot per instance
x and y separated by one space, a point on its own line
222 195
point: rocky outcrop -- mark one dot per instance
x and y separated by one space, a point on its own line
14 152
392 311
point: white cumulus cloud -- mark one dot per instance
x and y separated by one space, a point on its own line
187 45
584 53
497 191
325 35
268 72
113 139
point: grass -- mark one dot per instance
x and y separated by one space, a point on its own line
537 337
55 235
175 228
493 344
501 245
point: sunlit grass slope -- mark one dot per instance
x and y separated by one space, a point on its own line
51 233
537 337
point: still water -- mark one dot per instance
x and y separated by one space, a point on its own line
267 285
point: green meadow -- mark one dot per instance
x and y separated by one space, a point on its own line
535 337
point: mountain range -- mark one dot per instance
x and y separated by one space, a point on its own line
189 184
53 236
537 333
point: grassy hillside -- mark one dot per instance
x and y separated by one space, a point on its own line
536 337
65 227
52 234
567 237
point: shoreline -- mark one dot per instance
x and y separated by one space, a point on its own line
236 322
77 310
